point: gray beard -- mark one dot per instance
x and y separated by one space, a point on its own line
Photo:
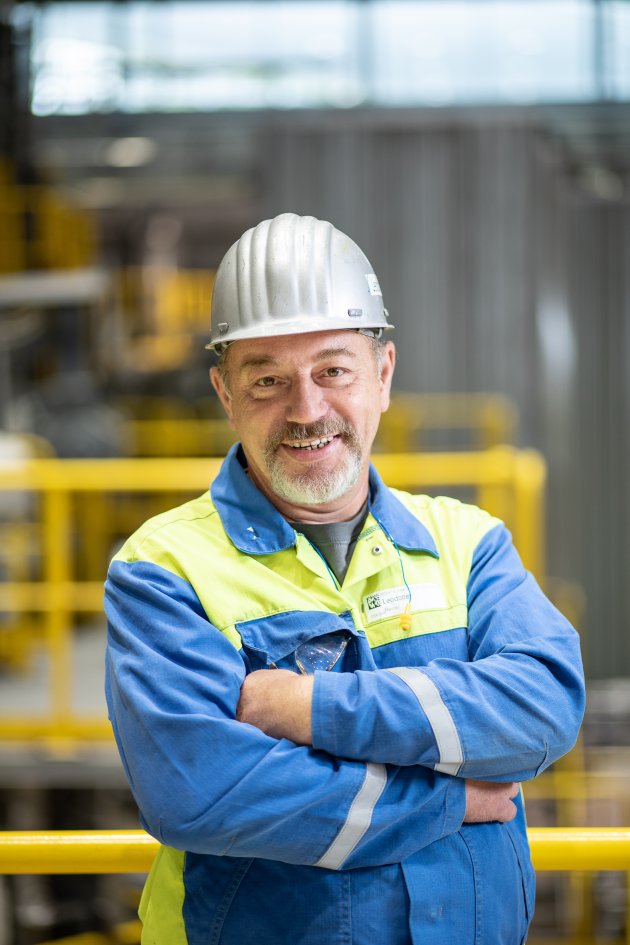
316 488
312 487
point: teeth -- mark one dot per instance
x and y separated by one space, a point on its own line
309 444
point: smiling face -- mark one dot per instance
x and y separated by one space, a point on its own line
306 409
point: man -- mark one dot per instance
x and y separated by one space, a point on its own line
325 692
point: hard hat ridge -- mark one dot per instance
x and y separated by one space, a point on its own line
283 263
291 275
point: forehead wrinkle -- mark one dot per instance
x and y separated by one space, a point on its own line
334 353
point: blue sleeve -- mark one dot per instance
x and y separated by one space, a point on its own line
506 714
207 783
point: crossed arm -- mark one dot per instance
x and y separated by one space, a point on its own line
503 715
279 703
514 708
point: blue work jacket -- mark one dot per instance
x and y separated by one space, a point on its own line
358 840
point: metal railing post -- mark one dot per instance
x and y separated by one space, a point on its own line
57 574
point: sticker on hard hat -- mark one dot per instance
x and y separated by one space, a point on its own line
373 285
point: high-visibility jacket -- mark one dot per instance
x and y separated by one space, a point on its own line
358 840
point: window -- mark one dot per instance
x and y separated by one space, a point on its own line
199 56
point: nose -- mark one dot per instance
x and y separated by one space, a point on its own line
306 402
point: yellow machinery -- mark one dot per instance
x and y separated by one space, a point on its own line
41 230
162 315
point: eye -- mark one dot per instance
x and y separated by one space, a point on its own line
267 381
335 376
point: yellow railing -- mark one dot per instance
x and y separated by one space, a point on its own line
414 421
133 851
179 436
504 480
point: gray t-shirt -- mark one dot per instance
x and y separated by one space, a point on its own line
335 540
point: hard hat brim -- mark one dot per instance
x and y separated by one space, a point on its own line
290 327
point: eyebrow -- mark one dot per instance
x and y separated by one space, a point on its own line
335 353
261 361
266 360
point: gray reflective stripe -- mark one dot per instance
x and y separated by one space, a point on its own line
440 719
359 817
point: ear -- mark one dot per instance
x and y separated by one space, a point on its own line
225 398
387 373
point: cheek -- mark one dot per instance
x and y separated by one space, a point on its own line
254 423
364 406
248 413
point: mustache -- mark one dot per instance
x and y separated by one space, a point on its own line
311 431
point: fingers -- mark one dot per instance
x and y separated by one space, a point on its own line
488 802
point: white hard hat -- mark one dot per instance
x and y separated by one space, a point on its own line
292 275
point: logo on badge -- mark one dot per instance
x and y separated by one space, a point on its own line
373 601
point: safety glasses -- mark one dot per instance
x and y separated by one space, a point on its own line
321 653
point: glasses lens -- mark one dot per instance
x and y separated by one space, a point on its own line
321 653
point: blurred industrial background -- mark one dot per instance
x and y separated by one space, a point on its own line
480 153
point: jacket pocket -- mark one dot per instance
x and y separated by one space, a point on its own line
276 641
503 891
211 884
521 849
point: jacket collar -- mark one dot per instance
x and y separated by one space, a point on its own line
256 527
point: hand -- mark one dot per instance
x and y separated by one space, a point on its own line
278 702
488 802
